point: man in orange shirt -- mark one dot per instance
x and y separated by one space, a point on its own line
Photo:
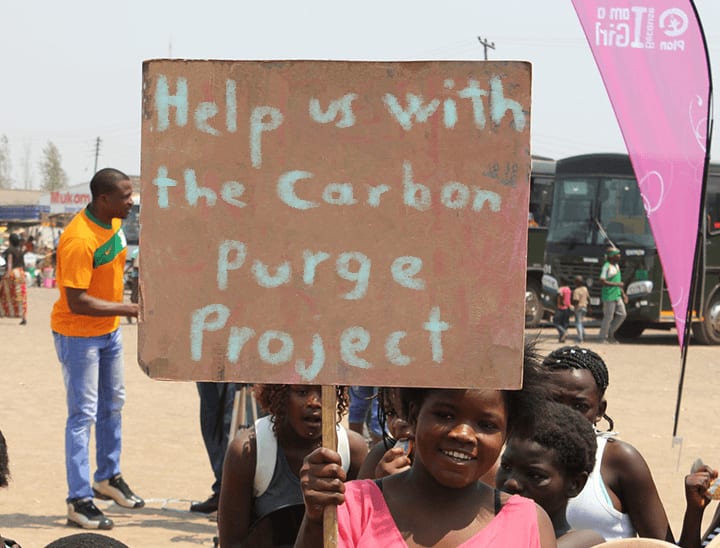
85 324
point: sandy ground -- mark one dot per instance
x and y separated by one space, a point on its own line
164 459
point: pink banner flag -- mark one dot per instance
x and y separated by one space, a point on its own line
652 58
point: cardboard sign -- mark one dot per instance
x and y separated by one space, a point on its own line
335 222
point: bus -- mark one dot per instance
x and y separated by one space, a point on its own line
541 200
597 201
131 226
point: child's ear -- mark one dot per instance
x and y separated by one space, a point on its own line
576 484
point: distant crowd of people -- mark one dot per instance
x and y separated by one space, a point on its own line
577 300
21 264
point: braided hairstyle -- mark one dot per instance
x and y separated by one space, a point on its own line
274 399
575 357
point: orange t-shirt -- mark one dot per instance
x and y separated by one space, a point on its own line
91 256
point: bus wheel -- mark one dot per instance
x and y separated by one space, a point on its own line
630 330
533 304
708 330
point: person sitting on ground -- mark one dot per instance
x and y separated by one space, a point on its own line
550 464
262 466
620 499
440 500
701 486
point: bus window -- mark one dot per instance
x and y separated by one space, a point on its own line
572 215
540 202
622 213
131 225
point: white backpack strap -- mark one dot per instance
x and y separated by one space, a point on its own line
343 447
265 455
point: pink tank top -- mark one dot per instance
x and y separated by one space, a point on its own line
364 521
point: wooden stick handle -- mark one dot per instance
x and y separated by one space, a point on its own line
329 440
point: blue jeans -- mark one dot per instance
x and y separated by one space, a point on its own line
562 320
579 317
364 408
93 372
216 405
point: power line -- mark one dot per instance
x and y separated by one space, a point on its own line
97 152
486 45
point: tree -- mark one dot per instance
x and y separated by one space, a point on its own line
5 163
27 174
53 175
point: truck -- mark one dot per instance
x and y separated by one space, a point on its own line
541 200
597 202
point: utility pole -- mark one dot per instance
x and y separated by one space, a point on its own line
486 45
97 152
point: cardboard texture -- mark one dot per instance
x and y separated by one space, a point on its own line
335 222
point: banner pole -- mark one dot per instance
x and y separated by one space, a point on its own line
700 239
329 440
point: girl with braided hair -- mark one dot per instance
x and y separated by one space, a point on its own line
620 498
262 465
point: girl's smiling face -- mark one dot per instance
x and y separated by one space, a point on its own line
459 433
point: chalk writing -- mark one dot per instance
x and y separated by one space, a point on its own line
341 107
351 266
335 222
413 109
453 194
353 341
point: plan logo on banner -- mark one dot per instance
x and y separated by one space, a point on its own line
659 49
639 26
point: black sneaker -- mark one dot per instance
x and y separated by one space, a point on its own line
116 489
83 513
207 506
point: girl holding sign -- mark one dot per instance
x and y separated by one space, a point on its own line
260 492
440 500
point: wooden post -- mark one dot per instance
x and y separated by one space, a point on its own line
329 439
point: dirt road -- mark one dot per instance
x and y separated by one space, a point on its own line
165 462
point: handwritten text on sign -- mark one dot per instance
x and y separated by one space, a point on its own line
335 222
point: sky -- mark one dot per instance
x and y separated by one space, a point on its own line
71 71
